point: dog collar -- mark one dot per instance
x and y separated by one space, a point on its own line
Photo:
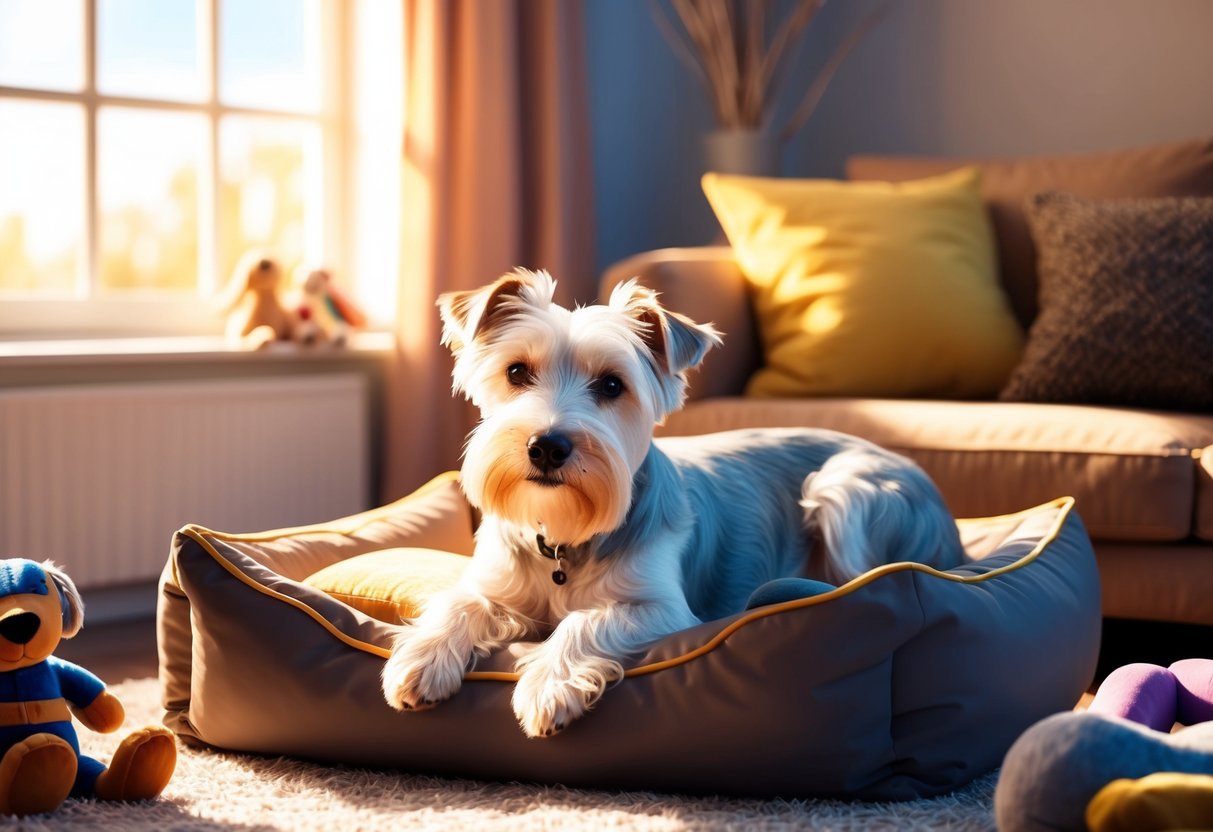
559 577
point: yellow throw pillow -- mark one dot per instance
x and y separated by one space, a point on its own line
391 584
871 288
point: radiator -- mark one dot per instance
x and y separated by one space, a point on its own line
98 477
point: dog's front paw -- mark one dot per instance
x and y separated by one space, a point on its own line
545 706
420 673
547 701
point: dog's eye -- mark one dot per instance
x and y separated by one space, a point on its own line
607 387
519 374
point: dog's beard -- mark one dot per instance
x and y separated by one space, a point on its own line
588 495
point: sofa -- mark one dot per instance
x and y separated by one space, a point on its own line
1142 477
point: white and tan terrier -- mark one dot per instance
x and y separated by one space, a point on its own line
605 539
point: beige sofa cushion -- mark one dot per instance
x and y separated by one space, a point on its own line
1131 471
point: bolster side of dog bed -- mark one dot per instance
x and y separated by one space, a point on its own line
436 515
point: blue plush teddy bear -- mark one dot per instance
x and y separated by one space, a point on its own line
41 764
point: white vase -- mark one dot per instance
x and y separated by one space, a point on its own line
741 152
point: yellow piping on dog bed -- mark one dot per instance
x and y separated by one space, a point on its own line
198 534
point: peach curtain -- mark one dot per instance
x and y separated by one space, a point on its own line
497 174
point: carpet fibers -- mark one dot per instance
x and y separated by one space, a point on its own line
214 790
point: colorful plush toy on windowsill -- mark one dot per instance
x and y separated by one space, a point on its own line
322 301
40 760
1118 766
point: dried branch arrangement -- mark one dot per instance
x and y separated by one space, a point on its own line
725 43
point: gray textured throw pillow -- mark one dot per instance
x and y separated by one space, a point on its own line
1126 303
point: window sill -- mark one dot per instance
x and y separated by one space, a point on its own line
177 350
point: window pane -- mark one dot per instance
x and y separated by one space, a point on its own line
270 191
149 167
269 54
42 44
150 49
41 197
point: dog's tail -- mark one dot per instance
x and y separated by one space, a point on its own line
872 507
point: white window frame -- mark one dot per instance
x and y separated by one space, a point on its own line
194 314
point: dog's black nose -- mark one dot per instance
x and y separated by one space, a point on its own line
20 628
548 451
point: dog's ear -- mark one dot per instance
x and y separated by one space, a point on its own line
677 341
70 602
466 315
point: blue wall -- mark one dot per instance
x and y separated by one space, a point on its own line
647 114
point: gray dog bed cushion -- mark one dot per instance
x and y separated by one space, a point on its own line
906 682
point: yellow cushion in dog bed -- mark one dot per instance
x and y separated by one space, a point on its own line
391 584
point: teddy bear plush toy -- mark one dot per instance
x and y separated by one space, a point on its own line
256 314
41 764
1118 766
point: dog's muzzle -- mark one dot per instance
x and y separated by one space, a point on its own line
548 451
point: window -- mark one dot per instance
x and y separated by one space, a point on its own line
145 145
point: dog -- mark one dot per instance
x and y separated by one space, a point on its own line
604 539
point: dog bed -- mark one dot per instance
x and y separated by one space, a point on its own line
904 683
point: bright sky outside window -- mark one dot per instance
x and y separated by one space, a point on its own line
152 49
42 44
42 208
274 67
149 221
182 181
269 181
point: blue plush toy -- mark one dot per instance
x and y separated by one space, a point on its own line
41 763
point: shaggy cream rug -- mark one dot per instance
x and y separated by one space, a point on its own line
213 790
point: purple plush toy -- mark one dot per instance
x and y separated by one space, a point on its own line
1158 697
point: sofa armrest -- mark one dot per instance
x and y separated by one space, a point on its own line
706 285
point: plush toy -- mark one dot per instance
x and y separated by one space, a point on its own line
1117 766
334 313
256 316
41 764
